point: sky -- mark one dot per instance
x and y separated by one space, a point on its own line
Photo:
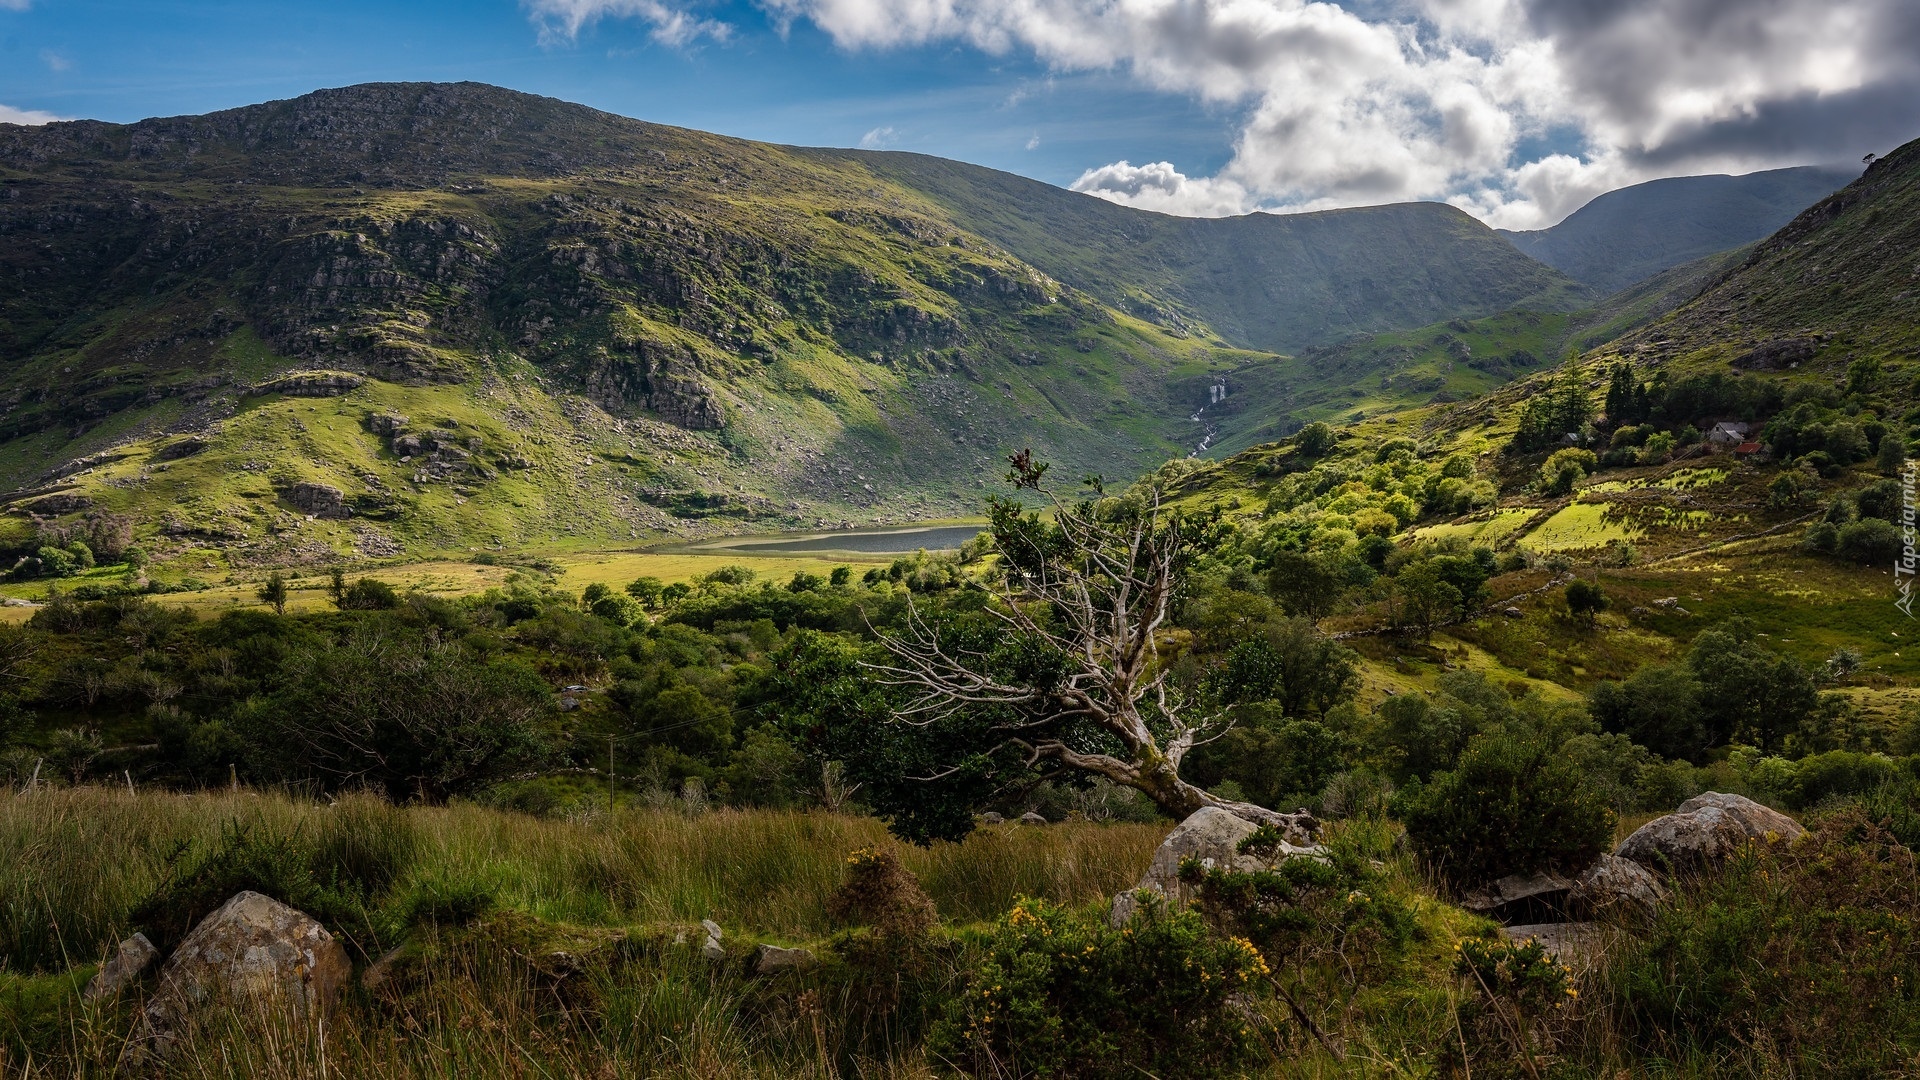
1518 111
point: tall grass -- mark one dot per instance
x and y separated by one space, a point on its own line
75 863
80 867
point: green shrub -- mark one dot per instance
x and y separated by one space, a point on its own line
1511 806
1307 910
1868 541
1060 993
1802 958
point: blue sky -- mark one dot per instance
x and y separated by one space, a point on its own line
1518 111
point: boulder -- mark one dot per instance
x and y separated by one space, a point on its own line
320 500
1610 883
1212 836
253 949
1031 818
1615 883
711 948
991 818
128 961
770 959
1705 830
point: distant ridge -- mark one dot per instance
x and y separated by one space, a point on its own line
1627 236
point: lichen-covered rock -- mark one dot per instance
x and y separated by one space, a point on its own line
255 950
1705 830
1212 836
128 961
1544 887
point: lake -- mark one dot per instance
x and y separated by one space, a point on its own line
901 541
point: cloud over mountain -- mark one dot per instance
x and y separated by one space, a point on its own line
1516 110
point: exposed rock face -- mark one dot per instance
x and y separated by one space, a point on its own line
252 949
1705 830
1778 354
320 500
771 959
386 425
1212 836
127 963
59 504
310 384
1544 888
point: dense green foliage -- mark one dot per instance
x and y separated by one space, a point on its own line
1060 993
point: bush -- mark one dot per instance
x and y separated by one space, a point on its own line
1511 806
1868 541
1060 993
1802 959
880 893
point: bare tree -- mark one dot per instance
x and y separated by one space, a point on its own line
1087 600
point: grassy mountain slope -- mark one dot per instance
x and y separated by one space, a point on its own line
415 318
1263 281
1629 235
1679 540
1453 360
430 317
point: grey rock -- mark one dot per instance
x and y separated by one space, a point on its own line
1705 830
1614 883
1514 613
991 818
1211 835
770 959
253 949
711 948
1031 818
128 961
1579 945
320 500
1544 886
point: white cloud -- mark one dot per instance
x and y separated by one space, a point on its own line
1033 142
54 60
1160 186
879 139
561 21
11 115
1388 100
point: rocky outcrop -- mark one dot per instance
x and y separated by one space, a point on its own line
1704 831
309 384
320 500
1778 354
127 963
1210 835
254 950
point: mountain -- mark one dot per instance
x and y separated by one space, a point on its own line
1840 281
1629 235
1276 282
404 318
